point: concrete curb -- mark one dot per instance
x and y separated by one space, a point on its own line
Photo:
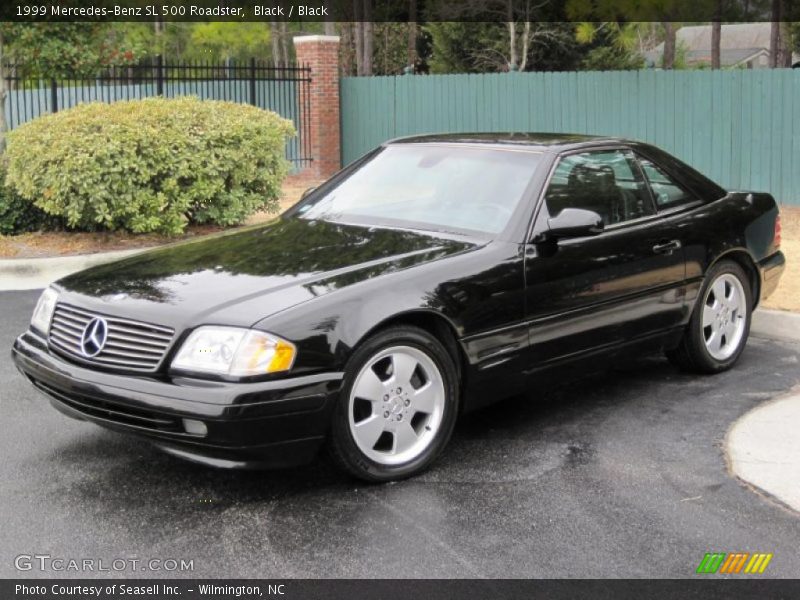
776 325
763 450
36 273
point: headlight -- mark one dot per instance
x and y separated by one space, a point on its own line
234 351
43 313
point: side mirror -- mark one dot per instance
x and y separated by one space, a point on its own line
574 222
307 192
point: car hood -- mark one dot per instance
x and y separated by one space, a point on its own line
239 278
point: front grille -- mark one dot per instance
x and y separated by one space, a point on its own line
119 413
129 344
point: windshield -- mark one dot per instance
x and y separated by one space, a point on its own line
439 188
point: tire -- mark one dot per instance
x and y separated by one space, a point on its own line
720 323
397 407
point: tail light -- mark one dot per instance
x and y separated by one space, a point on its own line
777 237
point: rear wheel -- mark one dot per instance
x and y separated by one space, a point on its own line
398 405
720 323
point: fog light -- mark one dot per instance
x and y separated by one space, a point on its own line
195 427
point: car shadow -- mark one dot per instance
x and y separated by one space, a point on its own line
562 435
520 437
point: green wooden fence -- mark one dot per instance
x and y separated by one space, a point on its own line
741 128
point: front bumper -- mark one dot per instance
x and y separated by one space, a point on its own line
770 270
262 424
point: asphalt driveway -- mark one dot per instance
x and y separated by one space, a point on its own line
618 475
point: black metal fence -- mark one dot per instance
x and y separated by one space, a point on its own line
283 89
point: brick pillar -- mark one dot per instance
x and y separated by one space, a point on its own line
321 53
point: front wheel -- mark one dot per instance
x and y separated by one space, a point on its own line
720 323
398 405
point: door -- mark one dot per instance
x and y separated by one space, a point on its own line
684 209
591 293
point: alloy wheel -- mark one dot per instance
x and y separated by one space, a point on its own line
396 405
724 312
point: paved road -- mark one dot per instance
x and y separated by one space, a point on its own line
618 475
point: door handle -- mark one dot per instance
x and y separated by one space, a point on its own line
667 247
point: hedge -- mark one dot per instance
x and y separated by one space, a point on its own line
18 215
151 165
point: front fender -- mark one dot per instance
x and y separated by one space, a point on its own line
472 293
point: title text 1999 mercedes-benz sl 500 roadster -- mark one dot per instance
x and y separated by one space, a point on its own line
436 274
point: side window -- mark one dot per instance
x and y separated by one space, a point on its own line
666 191
607 182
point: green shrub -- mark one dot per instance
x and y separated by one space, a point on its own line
18 215
151 165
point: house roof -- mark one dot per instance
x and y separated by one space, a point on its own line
727 57
739 43
734 36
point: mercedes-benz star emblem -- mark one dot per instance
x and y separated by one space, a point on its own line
94 337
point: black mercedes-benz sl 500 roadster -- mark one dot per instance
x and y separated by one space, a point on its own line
435 275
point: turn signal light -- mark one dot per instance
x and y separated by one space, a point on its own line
777 237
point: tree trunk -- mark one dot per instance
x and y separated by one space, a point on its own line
512 45
785 57
284 43
3 93
359 39
330 28
512 35
775 34
358 35
276 48
412 32
526 40
716 36
385 66
368 37
669 45
347 49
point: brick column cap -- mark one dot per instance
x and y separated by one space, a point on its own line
302 39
